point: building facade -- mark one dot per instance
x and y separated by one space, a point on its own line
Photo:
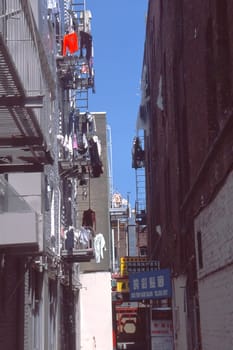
52 151
186 115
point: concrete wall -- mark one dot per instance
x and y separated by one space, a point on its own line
215 277
179 313
95 314
99 199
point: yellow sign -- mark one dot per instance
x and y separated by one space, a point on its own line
123 285
124 260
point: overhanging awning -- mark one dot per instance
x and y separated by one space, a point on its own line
22 144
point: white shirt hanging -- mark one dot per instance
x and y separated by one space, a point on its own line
99 247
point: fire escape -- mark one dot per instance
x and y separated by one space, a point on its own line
23 143
138 163
76 77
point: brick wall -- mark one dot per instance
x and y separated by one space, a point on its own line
215 277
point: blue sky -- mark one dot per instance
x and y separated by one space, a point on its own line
118 30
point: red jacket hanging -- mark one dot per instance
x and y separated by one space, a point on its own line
89 219
70 42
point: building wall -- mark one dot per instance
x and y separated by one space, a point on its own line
180 313
161 142
98 199
29 317
181 134
216 269
95 311
188 146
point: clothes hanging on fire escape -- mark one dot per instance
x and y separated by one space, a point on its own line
70 43
67 192
88 125
69 241
99 247
89 219
95 156
80 140
87 52
85 21
85 236
85 43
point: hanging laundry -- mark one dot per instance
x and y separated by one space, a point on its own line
86 43
82 145
90 122
70 42
75 144
83 181
88 125
53 7
84 237
73 122
91 65
84 124
84 68
89 219
67 191
84 176
69 242
96 139
85 21
65 143
74 20
95 156
99 247
70 146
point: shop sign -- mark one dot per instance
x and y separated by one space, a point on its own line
162 328
150 285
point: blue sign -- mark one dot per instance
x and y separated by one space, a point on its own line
150 285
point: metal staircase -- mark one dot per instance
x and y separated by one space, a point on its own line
139 165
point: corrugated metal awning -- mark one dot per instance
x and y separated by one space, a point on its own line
22 144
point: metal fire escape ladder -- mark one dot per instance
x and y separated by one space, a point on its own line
22 146
140 190
74 74
79 11
140 196
140 206
75 77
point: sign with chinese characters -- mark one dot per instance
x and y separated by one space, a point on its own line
137 264
162 328
150 285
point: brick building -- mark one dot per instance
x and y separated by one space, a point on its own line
186 113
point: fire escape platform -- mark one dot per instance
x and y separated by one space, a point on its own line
22 144
78 255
